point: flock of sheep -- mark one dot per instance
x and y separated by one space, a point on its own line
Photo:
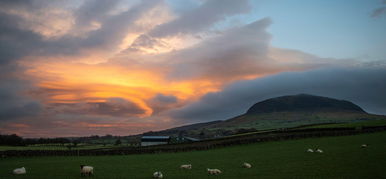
89 170
316 150
214 171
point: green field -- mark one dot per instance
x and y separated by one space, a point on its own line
353 124
342 158
293 119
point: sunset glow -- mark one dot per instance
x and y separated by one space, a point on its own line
126 67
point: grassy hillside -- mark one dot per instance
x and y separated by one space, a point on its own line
343 158
379 122
280 112
270 121
293 119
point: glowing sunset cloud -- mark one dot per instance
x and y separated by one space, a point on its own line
83 83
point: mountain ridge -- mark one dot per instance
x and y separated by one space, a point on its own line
303 102
279 112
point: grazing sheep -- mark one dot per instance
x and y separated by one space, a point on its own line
86 170
364 145
247 165
214 171
188 166
310 150
19 171
157 174
319 150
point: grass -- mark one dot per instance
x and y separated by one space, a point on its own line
353 124
292 119
343 158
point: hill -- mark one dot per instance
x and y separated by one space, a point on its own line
182 129
303 103
279 112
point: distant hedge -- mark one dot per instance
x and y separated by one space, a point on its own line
283 134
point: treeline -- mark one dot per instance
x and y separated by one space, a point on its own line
277 135
15 140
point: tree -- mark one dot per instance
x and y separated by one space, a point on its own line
118 142
12 139
75 143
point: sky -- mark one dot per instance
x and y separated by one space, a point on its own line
122 67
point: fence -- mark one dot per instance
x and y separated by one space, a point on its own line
278 135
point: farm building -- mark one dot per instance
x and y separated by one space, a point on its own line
154 140
187 139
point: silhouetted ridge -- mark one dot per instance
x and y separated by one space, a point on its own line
303 102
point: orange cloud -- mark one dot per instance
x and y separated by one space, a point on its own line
60 82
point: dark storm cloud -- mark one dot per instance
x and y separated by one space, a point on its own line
364 86
112 107
115 107
14 103
161 102
165 98
27 110
15 42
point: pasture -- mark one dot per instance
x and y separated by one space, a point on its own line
342 158
370 123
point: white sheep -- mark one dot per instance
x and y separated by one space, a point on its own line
319 150
86 170
157 174
214 171
310 150
364 145
187 166
247 165
19 171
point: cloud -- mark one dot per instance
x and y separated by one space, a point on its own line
362 85
92 12
27 110
194 21
124 65
165 98
115 107
14 42
378 12
202 17
240 53
21 38
161 102
67 125
15 103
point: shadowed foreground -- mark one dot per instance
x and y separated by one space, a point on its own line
342 158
